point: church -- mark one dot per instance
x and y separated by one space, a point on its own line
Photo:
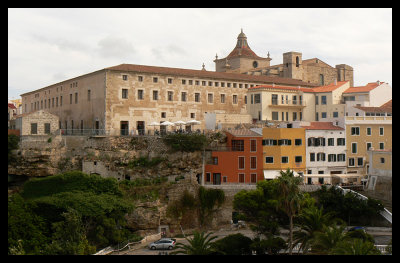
243 60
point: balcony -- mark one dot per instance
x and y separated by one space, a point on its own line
287 103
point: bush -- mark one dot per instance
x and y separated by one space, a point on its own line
235 244
186 142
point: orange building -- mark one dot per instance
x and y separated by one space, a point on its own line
283 148
240 162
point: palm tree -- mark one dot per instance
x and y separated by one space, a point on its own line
312 220
325 240
355 246
200 244
289 198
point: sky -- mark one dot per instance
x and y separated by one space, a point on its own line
50 45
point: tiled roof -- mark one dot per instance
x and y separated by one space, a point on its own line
319 125
370 86
209 74
242 52
12 106
329 87
387 107
282 88
244 132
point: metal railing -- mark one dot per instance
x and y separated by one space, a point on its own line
287 102
123 132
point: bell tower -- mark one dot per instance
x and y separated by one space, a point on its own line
293 65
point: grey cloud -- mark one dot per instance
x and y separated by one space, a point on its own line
115 47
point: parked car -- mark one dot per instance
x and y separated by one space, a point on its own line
163 243
357 228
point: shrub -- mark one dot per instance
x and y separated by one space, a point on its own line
185 142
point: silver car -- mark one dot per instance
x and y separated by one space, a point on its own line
163 243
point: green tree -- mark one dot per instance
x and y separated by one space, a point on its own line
69 236
355 246
199 244
311 220
13 141
290 199
185 142
271 246
235 244
327 239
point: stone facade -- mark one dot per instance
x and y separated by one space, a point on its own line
37 123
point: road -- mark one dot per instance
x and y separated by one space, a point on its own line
382 236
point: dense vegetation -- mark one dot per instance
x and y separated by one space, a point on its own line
185 142
12 145
70 213
320 221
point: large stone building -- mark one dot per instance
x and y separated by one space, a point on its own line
243 60
129 97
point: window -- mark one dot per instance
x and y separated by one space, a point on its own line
360 161
285 159
298 159
274 99
140 78
170 81
197 97
60 102
222 84
163 114
155 94
170 95
298 142
245 99
241 162
381 146
341 157
125 77
312 157
124 93
323 115
355 130
234 99
88 96
294 116
353 147
331 157
294 99
253 145
335 114
140 94
155 79
203 83
369 145
234 85
351 161
253 162
241 178
340 141
183 96
197 82
275 115
269 142
253 178
210 98
238 145
208 177
269 159
284 142
321 79
222 98
382 160
192 115
380 131
257 98
215 160
297 61
321 157
369 131
216 84
323 100
76 98
33 128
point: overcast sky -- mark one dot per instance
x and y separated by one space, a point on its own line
46 46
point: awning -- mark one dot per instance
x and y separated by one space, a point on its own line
272 174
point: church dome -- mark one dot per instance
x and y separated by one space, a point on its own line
242 48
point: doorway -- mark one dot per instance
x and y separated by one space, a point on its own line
140 127
216 178
124 128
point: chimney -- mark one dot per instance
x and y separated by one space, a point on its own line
379 83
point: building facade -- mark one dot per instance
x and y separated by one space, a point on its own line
240 162
365 133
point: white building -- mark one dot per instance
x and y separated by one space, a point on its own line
326 148
374 94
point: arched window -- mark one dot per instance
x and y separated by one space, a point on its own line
297 62
321 79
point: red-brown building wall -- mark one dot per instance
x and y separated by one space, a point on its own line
228 162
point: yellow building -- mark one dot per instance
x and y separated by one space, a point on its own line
283 148
362 133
